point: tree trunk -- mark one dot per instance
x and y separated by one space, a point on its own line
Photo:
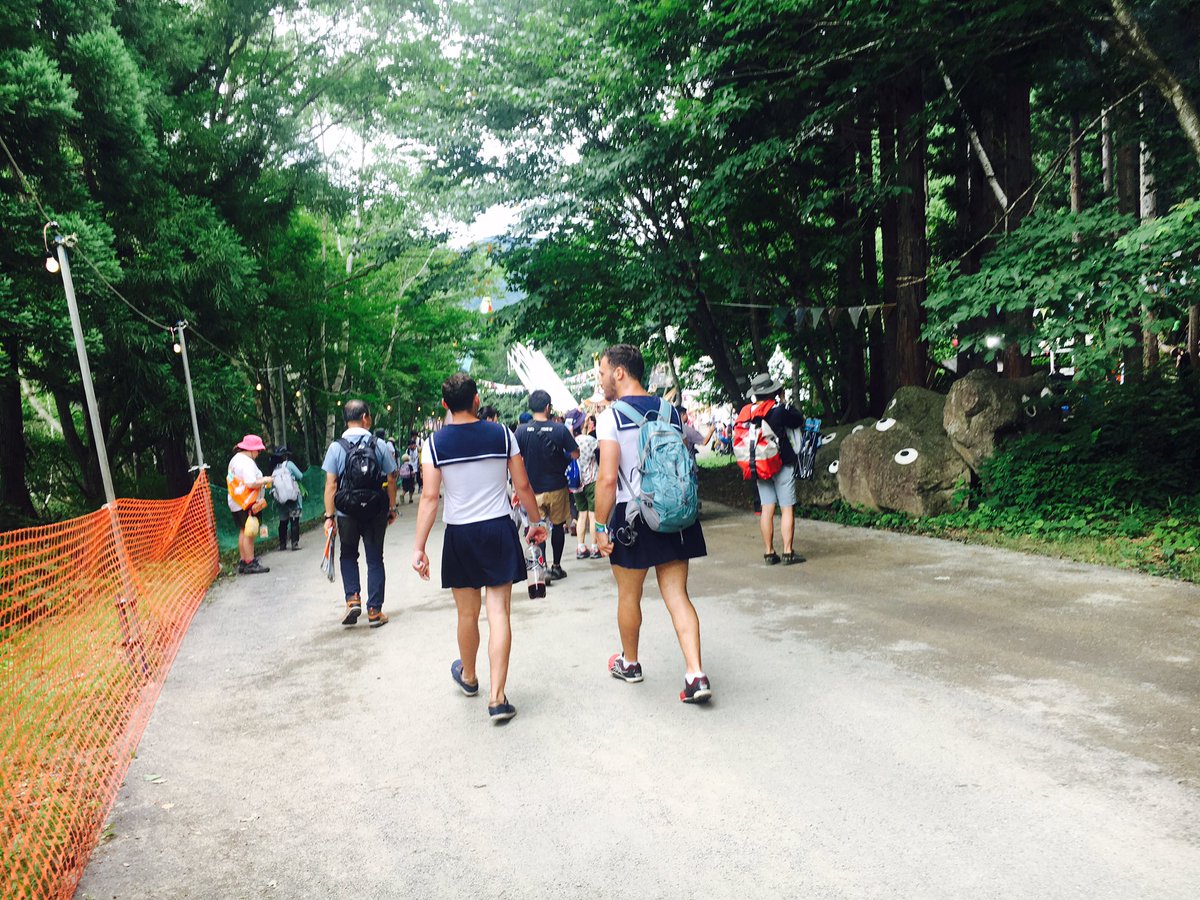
1018 169
173 453
889 223
1193 336
89 466
1106 152
756 342
1129 203
852 355
1076 166
1148 197
911 352
877 365
1162 77
14 490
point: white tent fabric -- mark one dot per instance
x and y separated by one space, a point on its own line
536 373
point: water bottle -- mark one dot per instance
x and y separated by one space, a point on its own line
535 563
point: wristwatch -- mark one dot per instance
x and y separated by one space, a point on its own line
328 516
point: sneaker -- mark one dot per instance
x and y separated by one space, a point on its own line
353 610
626 671
582 553
376 618
595 552
502 712
696 691
557 573
465 686
252 568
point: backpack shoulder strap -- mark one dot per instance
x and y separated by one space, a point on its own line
664 410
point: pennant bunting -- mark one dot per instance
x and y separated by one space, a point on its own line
817 312
801 312
835 313
855 314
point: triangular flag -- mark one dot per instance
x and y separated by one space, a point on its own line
835 313
801 312
855 314
873 311
817 312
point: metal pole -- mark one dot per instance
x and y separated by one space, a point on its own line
282 407
126 605
187 377
85 370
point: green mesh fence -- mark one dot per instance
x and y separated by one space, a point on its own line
312 489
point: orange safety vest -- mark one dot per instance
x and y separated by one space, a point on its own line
242 495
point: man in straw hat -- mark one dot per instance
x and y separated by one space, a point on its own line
246 486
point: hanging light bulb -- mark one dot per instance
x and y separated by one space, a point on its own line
297 395
258 386
176 347
51 264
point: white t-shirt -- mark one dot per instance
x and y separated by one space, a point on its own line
246 470
612 426
473 460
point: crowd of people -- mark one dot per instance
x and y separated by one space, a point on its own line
508 491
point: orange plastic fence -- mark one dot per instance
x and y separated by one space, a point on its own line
92 612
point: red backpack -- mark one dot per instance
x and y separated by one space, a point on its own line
755 444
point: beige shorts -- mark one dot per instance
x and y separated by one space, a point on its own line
555 506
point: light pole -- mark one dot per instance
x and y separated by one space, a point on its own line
187 377
126 605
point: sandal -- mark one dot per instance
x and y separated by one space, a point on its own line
790 558
771 558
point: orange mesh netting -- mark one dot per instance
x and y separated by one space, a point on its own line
92 612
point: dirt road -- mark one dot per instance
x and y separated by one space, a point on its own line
897 717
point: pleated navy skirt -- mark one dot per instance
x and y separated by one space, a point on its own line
651 548
482 554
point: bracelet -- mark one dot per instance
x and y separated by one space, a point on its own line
601 528
328 516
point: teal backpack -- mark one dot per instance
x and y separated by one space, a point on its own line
669 500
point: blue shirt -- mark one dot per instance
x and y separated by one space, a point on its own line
335 456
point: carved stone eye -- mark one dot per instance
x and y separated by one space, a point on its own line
826 438
907 456
884 424
833 467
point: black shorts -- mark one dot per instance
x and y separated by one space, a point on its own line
239 517
482 554
651 548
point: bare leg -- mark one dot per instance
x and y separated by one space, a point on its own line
629 608
499 602
672 582
787 527
468 601
246 547
766 524
586 520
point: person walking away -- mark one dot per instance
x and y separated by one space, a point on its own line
691 434
779 490
585 499
633 552
360 503
408 471
481 550
246 485
285 484
547 447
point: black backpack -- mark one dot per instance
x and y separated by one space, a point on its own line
360 492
